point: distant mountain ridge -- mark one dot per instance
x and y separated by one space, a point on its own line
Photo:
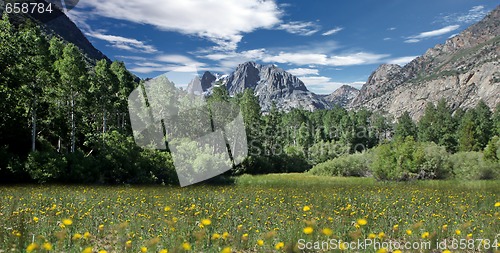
270 84
464 70
342 96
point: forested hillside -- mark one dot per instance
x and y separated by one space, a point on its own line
62 118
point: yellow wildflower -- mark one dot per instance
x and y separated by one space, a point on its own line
186 246
279 245
76 236
67 222
47 246
87 250
327 231
308 230
31 247
362 222
206 222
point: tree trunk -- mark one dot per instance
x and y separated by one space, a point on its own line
103 123
33 126
104 119
73 127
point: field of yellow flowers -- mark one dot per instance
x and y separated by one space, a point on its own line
272 213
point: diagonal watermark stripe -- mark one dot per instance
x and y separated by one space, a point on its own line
205 141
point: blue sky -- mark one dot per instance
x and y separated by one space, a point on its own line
325 43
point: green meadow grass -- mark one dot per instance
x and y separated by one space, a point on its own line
268 213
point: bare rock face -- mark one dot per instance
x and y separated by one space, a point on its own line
463 70
202 85
342 96
273 85
382 80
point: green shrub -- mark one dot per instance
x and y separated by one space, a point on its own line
355 165
473 166
407 159
45 167
81 168
160 166
432 161
385 165
326 150
492 150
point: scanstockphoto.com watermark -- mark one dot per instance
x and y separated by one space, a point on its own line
462 244
365 244
204 140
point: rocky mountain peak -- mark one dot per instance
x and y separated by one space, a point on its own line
342 96
464 70
383 79
273 84
207 80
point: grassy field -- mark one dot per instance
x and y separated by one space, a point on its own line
272 213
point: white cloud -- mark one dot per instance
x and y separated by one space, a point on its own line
433 33
387 38
303 71
402 60
332 31
124 43
437 32
412 40
164 68
177 59
222 22
317 55
359 58
475 14
165 63
80 19
391 28
300 28
325 85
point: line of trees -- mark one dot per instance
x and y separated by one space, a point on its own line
65 119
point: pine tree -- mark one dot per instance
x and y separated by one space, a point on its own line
250 109
466 135
405 127
305 138
496 120
484 125
426 125
271 140
445 126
